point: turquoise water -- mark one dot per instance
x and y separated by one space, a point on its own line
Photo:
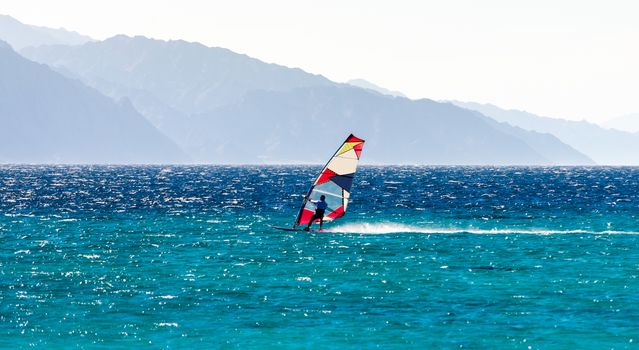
427 257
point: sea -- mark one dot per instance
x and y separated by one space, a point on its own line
183 257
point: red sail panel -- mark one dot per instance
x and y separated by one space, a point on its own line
305 216
325 176
353 138
337 213
358 149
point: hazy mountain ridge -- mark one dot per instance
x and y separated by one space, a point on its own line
365 84
20 35
168 81
628 123
189 77
604 146
151 73
48 118
543 143
293 126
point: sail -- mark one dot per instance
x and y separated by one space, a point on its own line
334 182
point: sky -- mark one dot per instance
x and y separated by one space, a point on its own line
562 58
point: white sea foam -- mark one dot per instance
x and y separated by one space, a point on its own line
166 296
167 324
90 256
386 228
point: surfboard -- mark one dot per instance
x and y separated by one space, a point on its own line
290 229
334 182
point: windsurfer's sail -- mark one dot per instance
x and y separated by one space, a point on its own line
334 182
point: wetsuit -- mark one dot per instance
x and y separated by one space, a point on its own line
319 212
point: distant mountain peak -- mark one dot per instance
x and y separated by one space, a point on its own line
20 35
364 84
628 122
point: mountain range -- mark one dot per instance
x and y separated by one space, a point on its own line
222 107
48 118
604 146
204 97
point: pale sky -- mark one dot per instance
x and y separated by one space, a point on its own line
563 58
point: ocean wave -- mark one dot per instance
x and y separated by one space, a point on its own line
387 228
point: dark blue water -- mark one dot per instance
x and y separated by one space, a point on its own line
179 257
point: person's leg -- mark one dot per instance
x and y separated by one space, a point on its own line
313 218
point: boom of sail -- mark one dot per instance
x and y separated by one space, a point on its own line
334 182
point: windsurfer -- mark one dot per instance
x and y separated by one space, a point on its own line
320 206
